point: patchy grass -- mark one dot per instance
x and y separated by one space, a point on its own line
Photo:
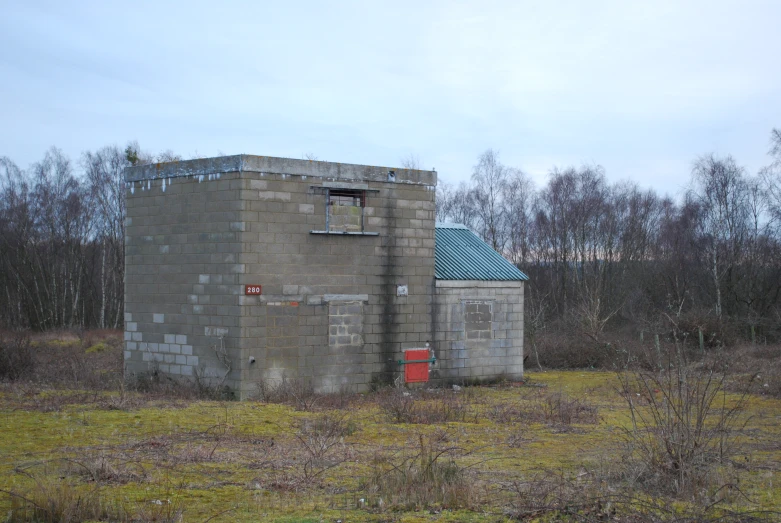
551 450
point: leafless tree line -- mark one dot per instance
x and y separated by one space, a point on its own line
62 239
597 253
601 253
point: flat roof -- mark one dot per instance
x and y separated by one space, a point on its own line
273 165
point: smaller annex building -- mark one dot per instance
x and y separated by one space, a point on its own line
246 270
479 308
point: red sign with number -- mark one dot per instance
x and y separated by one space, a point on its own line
252 290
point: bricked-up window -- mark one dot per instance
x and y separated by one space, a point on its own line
478 316
344 210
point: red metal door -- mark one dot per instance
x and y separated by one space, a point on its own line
416 372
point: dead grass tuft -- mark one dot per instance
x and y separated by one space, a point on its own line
428 479
297 392
425 407
302 396
542 406
103 469
57 502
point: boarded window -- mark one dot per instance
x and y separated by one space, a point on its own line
477 320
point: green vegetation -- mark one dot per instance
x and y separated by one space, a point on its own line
564 446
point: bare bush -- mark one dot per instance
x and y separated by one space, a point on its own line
301 394
683 425
401 406
158 385
297 392
320 435
592 496
554 408
431 477
566 349
555 496
16 357
101 469
56 502
756 368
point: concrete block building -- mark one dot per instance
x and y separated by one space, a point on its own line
249 269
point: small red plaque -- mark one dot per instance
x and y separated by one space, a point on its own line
252 290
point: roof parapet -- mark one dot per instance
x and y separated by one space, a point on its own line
273 165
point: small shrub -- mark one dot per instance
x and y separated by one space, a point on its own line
98 347
17 360
157 384
400 406
101 469
560 408
683 426
58 502
555 496
553 408
756 368
92 361
297 392
564 349
320 435
430 478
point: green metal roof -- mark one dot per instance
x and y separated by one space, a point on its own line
462 255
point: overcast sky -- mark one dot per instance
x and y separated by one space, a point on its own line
641 88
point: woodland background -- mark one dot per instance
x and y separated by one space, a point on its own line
607 262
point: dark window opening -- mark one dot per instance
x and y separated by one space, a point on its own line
347 197
344 210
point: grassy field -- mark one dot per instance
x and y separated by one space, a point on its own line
78 444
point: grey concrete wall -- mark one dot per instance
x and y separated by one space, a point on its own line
182 277
199 231
324 275
479 330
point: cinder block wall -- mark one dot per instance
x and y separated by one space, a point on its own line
199 231
182 276
479 330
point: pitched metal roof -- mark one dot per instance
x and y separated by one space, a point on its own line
461 255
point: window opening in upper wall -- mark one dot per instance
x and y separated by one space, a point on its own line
344 211
347 197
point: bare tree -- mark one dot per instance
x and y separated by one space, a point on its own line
720 190
462 209
104 171
62 239
770 177
444 201
518 198
490 178
168 156
411 161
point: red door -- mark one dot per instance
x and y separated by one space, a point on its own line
416 372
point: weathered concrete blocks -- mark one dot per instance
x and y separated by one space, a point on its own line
328 310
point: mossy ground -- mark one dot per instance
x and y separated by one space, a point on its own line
252 461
